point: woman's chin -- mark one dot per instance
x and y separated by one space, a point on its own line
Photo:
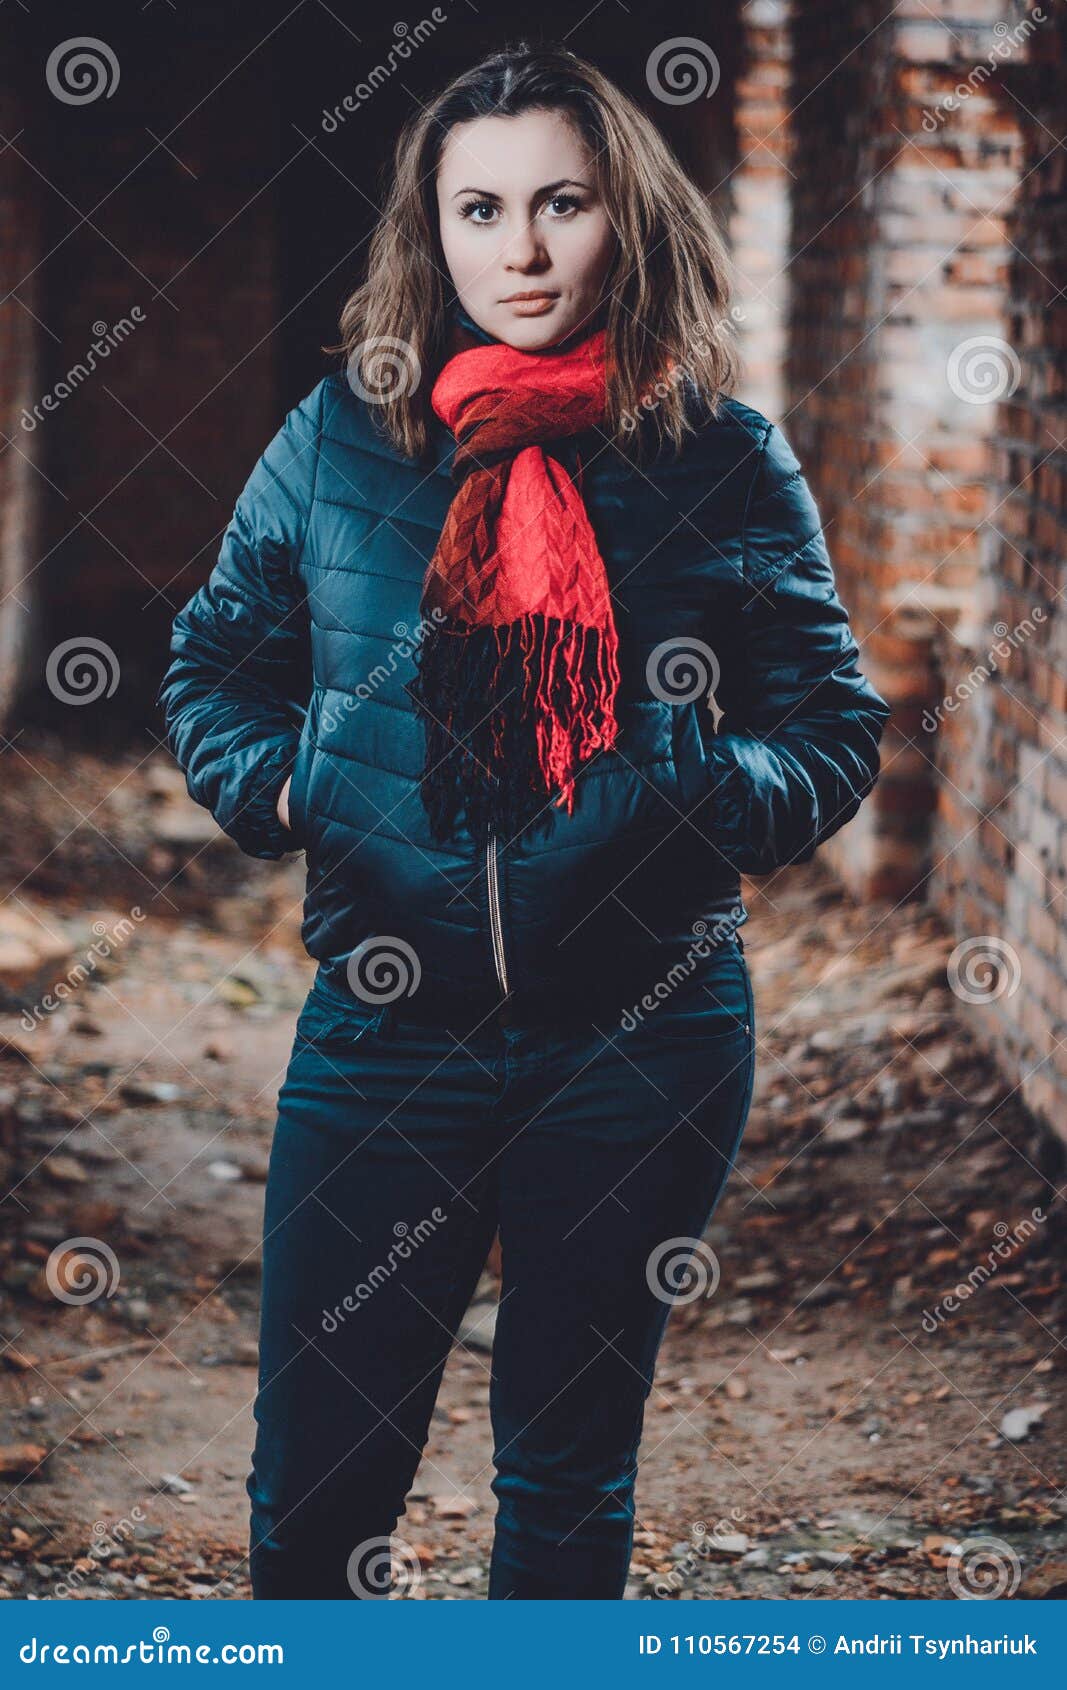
528 337
535 336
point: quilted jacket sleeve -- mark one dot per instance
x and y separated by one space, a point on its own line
239 679
797 750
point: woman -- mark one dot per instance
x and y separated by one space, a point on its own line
459 648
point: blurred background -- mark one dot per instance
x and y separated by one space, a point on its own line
184 206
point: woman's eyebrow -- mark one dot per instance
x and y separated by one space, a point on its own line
548 188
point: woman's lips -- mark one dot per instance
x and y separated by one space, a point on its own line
533 307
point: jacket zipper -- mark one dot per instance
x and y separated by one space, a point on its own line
496 925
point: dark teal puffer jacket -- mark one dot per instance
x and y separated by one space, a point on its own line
293 658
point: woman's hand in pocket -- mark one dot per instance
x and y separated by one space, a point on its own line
282 805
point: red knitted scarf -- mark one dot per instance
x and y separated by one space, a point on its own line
517 666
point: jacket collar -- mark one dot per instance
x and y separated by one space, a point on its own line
457 315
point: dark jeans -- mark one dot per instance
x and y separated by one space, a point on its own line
599 1149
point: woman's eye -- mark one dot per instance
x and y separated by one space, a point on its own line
472 206
566 201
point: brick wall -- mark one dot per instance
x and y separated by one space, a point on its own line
926 396
1000 839
174 271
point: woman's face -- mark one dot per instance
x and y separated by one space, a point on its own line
520 214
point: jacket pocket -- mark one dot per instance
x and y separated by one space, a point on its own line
688 754
301 772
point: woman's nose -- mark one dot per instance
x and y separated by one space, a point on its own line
524 248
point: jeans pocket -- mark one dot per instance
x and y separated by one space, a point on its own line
328 1024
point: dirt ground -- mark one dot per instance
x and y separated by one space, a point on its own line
823 1425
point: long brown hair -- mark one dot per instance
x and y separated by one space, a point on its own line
665 301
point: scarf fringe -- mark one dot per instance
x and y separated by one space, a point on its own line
511 711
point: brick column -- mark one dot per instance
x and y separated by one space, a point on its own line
898 273
759 227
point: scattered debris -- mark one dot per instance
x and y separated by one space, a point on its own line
1018 1423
